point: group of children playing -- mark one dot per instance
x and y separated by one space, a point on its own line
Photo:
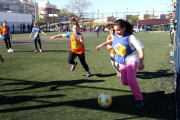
121 43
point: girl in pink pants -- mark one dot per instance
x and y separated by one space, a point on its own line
128 77
130 56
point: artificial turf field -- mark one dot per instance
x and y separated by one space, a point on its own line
40 86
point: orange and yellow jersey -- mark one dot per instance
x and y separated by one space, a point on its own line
111 50
76 47
5 32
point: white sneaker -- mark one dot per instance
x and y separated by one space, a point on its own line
11 50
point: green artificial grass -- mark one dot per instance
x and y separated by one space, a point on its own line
40 86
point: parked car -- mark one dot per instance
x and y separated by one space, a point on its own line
106 30
136 29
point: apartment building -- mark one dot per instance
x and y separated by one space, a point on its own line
14 6
45 8
30 7
20 6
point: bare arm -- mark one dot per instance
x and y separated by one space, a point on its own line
43 33
141 60
109 47
60 35
81 42
31 33
10 34
103 44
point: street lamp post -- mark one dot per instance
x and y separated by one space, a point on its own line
126 12
153 21
98 15
35 10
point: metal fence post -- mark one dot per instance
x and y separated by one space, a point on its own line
177 63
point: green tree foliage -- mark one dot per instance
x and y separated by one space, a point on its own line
133 19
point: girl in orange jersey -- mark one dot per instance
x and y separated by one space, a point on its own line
6 36
77 46
112 52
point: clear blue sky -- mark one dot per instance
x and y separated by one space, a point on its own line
108 6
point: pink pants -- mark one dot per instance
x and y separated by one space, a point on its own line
128 77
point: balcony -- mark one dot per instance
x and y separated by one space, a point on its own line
30 8
12 10
9 3
28 3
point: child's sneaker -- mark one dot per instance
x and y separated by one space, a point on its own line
139 104
36 51
88 74
118 74
73 66
40 50
9 50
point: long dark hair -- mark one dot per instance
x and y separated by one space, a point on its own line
122 24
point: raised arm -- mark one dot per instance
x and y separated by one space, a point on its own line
60 35
103 44
43 33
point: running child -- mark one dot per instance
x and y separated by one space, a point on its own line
112 52
6 36
77 46
36 36
97 30
127 46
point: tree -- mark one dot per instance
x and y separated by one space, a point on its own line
41 20
64 13
134 19
79 7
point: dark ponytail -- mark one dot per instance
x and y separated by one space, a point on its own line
122 24
74 21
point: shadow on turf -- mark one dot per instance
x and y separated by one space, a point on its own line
103 75
150 75
38 85
158 105
20 42
58 50
49 51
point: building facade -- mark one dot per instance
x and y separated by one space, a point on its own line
14 6
47 9
30 7
20 6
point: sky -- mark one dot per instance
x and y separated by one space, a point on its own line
108 6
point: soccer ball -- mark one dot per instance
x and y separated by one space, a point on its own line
104 100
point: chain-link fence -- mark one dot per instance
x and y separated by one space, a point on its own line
143 21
